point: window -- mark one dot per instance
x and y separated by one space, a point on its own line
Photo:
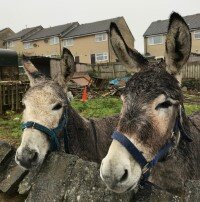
101 57
100 37
68 42
54 40
10 44
28 45
155 40
197 35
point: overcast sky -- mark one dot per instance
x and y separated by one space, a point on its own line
17 14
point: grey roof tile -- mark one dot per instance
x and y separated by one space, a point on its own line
21 33
90 28
161 26
51 31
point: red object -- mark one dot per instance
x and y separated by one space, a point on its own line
84 95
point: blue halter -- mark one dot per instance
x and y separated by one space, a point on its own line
54 133
164 151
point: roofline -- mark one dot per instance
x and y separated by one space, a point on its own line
92 33
59 35
15 39
146 35
81 35
155 34
102 20
41 38
6 28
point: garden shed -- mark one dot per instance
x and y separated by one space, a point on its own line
9 70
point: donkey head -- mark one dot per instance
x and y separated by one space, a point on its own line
151 101
44 103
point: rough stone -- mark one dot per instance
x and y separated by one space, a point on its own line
86 185
64 177
192 190
67 178
6 198
184 89
6 153
155 195
51 181
12 179
25 185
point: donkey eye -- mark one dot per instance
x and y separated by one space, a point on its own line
57 106
165 104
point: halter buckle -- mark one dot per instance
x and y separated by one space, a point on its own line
145 169
33 126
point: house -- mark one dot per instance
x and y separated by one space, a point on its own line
5 33
47 41
155 35
89 43
15 42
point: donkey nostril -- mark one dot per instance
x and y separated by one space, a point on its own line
124 176
35 157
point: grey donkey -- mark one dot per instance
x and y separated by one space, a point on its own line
45 102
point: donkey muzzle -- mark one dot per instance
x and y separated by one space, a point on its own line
27 158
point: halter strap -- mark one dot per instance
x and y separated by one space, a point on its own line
138 156
130 147
52 133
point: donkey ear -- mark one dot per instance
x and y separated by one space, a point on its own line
33 74
178 45
132 59
67 68
68 64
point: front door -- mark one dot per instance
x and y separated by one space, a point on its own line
77 59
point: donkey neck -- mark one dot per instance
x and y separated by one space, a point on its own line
80 136
182 165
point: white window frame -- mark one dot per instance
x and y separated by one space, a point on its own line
104 55
101 37
28 45
10 44
68 42
152 43
54 40
197 33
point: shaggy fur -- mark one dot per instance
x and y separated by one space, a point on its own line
88 138
45 103
148 121
183 164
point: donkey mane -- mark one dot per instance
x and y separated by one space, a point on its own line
89 138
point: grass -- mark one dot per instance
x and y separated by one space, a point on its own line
99 107
191 108
10 127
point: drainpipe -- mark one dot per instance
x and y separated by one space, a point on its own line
60 41
109 51
145 45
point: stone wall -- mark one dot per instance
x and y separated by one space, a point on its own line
65 177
